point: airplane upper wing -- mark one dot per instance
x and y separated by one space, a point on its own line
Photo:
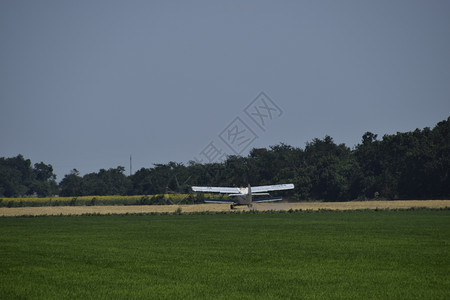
276 187
215 189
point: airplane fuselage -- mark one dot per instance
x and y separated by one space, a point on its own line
244 199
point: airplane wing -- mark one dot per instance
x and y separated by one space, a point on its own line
219 201
276 187
215 189
268 199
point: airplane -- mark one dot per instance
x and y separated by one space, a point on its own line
244 196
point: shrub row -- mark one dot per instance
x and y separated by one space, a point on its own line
160 199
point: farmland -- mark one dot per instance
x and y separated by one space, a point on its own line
157 199
202 208
322 254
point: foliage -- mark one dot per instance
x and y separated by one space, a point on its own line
105 182
18 178
157 199
410 165
406 165
310 255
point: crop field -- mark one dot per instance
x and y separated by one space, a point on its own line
364 254
157 199
212 207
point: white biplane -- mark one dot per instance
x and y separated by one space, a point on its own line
244 196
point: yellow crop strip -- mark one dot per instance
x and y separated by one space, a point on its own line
171 197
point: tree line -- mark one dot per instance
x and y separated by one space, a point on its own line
411 165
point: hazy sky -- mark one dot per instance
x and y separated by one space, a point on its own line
84 84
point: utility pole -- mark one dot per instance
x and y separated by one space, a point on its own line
131 166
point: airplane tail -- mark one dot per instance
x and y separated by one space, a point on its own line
249 196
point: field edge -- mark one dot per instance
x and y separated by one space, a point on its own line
222 208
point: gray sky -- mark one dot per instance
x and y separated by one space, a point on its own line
84 84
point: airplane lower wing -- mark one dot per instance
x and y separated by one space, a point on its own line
234 202
267 200
219 201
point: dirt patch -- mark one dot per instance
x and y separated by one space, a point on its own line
132 209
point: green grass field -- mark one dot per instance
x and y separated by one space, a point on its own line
311 255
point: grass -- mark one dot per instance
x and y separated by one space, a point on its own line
310 255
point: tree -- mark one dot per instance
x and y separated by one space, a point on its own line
71 185
329 167
16 176
44 181
406 165
106 182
